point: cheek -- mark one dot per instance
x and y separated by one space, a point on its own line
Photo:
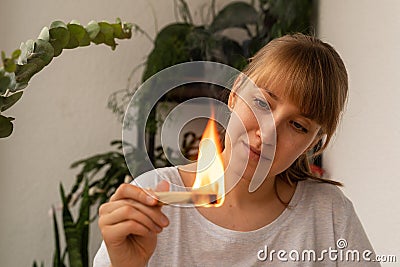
288 149
239 125
287 152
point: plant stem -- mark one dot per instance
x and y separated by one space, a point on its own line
153 12
137 27
213 9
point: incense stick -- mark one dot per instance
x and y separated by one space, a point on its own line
196 198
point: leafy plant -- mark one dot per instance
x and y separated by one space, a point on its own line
34 55
185 41
89 189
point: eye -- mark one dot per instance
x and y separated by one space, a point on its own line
261 104
298 127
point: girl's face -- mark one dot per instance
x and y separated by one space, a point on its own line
265 131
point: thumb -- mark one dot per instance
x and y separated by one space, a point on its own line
162 186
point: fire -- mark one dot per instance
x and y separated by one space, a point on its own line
210 167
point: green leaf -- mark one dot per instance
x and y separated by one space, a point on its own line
16 54
78 36
25 72
122 31
118 31
71 235
9 65
106 35
7 102
4 81
44 51
82 224
234 53
93 29
21 85
57 253
237 14
41 56
59 36
6 126
292 16
170 48
44 34
12 84
26 51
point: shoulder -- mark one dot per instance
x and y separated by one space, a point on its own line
332 207
329 204
325 193
327 200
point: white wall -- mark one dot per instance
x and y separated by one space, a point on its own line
365 155
62 116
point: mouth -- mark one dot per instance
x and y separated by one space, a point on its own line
255 153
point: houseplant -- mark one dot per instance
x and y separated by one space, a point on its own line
33 55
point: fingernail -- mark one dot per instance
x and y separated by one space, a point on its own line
164 221
158 229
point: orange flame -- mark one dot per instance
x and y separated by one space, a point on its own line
210 167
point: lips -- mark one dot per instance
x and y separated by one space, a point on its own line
255 153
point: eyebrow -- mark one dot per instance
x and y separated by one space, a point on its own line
271 94
275 97
306 116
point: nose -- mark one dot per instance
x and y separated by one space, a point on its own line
267 132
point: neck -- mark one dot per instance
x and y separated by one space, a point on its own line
239 194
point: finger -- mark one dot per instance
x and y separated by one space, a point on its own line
113 205
119 232
135 193
128 212
110 207
162 186
153 213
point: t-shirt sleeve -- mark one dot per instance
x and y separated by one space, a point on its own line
101 258
351 239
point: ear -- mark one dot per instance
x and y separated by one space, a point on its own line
232 99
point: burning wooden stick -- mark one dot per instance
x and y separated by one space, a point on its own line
196 198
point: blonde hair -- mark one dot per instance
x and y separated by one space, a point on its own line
312 76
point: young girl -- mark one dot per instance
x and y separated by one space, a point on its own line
292 218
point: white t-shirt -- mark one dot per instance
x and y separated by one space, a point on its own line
320 229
